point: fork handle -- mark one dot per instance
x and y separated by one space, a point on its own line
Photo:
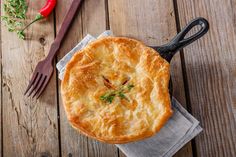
63 30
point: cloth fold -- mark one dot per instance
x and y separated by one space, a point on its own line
180 128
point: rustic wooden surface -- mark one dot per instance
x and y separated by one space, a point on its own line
70 142
203 74
30 126
210 69
1 88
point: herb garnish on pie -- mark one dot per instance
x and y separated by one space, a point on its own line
120 92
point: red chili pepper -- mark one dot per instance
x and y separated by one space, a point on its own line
44 12
48 8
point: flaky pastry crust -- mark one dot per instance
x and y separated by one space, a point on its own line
109 64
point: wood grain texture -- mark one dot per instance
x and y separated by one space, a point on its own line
0 85
152 22
30 127
72 143
211 75
90 19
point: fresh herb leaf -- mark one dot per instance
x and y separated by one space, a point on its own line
109 97
130 86
122 96
21 34
15 13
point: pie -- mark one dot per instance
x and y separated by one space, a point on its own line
115 90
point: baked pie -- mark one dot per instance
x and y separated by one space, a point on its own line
116 90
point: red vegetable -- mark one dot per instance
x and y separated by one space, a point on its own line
48 8
44 12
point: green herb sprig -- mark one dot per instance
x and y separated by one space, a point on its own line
15 13
109 96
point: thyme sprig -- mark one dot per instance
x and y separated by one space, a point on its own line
15 14
109 96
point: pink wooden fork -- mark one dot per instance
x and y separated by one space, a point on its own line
44 68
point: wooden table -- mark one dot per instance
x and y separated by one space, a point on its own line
204 74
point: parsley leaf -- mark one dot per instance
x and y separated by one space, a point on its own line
15 13
110 96
122 96
130 86
20 34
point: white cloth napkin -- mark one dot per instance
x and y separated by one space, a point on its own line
180 128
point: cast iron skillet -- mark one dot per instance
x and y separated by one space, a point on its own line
168 50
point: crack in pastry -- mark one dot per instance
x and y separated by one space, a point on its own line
125 81
107 83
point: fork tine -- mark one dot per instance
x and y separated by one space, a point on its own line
43 87
34 86
40 85
32 80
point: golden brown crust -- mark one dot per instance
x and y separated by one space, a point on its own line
105 65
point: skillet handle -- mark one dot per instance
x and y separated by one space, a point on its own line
168 50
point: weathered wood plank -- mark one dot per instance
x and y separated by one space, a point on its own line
90 19
211 74
71 142
152 22
30 126
0 85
